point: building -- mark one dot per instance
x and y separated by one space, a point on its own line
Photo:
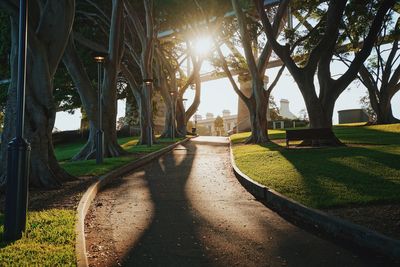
352 116
284 110
206 126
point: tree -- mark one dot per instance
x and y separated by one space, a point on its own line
382 77
219 125
48 32
319 46
256 66
112 29
142 30
366 105
380 74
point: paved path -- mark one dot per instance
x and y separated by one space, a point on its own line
188 209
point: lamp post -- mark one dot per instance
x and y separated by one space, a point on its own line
184 102
149 131
100 133
195 123
173 98
16 203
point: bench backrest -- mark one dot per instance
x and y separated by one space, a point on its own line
313 133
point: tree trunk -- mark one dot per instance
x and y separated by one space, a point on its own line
384 114
45 50
180 118
169 122
258 107
145 115
88 97
320 113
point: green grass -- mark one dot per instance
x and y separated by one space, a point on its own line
90 168
49 240
67 151
330 177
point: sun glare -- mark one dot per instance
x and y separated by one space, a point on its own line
202 45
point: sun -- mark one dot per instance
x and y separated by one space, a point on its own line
202 45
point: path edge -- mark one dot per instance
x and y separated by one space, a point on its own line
338 229
91 192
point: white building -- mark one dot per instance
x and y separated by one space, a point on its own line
231 121
284 110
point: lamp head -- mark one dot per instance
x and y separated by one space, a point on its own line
99 59
148 81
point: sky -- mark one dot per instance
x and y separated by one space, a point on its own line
218 95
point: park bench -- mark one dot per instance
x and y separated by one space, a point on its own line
308 134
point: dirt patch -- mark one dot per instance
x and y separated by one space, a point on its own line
384 218
66 197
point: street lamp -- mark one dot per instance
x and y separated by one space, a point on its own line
100 133
184 102
16 203
194 130
173 98
148 82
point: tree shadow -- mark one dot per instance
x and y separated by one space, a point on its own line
170 239
364 135
355 170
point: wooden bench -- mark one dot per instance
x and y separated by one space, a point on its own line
308 134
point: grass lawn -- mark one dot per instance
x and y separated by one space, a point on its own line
49 240
65 152
329 177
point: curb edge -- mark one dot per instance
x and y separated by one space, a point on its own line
333 227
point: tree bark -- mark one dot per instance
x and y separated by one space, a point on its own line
320 108
384 114
87 95
109 83
258 115
45 48
145 114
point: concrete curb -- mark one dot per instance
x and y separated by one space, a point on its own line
338 229
91 192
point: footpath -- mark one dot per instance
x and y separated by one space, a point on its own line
188 209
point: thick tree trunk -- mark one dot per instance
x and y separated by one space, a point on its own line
146 119
258 107
45 50
169 122
88 97
131 113
384 113
180 118
109 88
320 114
109 102
196 101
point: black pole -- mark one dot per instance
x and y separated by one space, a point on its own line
173 115
100 133
149 129
18 149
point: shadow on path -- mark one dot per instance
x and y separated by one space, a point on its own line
171 238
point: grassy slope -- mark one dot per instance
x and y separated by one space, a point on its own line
330 177
89 167
49 240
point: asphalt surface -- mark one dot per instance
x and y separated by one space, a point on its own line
188 209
